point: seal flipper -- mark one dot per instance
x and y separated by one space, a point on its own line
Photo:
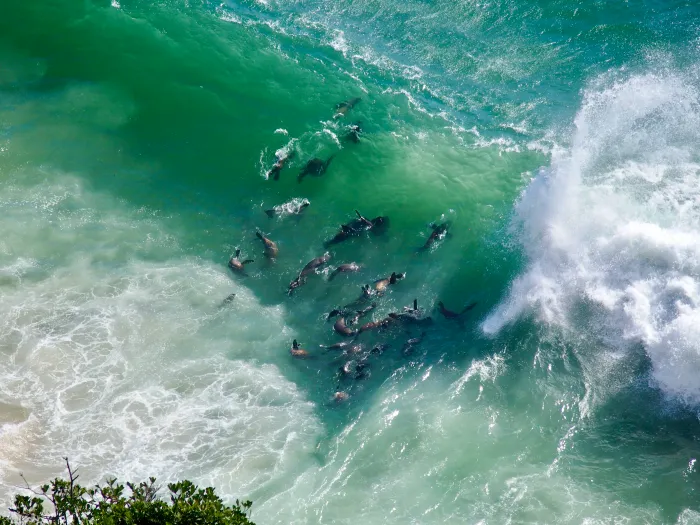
364 219
270 213
259 235
469 307
248 261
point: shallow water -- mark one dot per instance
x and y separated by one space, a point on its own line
558 139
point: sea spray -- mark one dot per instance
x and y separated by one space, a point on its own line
612 227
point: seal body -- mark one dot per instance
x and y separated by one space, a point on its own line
343 108
271 249
315 167
381 285
344 268
341 328
236 264
439 232
309 268
296 351
293 207
277 167
357 227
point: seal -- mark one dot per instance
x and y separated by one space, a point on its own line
277 167
341 326
346 369
358 226
411 315
362 370
340 396
353 133
344 268
412 343
374 325
381 285
438 233
293 207
229 299
309 268
237 265
449 314
315 167
342 108
336 346
379 348
271 250
296 351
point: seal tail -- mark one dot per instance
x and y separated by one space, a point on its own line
332 275
259 236
327 163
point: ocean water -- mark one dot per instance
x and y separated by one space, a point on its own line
561 140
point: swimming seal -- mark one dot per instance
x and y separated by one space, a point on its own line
346 369
271 250
374 325
344 107
237 265
357 226
293 207
315 167
353 133
381 285
341 326
309 268
336 346
449 314
362 370
411 315
438 233
379 349
228 300
412 343
340 396
344 268
296 351
277 167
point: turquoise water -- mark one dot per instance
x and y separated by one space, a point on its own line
559 139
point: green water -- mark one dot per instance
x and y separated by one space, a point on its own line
559 140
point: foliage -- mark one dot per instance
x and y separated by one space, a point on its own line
64 502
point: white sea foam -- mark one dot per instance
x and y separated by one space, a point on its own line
611 229
129 367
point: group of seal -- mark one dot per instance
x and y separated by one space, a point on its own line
317 167
348 319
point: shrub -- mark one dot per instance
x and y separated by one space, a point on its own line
65 502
